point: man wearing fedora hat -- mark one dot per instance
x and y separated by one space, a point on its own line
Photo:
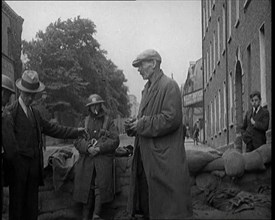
28 126
159 181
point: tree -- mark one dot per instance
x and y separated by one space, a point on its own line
72 66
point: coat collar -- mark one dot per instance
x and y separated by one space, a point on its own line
148 93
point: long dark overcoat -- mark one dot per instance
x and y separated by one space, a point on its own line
257 132
161 142
108 141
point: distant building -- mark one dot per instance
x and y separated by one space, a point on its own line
192 97
11 42
134 105
236 45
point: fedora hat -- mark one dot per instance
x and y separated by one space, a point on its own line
30 82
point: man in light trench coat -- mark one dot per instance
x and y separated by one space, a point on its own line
159 182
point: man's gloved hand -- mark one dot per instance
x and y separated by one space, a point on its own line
93 151
82 132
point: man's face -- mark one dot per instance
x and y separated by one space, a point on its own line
95 108
146 69
28 98
255 101
6 94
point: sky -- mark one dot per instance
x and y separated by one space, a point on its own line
126 28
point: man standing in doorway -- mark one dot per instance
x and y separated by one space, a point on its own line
255 123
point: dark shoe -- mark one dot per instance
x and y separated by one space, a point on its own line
97 217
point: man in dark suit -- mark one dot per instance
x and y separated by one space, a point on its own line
255 123
26 170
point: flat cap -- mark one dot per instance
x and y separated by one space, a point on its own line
149 54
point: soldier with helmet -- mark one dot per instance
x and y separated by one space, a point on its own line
93 184
7 148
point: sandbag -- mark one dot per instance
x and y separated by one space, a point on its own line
233 163
217 164
206 181
198 159
253 161
265 152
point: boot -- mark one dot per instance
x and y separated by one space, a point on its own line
87 209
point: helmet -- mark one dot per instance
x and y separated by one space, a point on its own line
94 99
7 83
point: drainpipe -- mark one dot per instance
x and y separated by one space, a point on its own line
226 72
203 72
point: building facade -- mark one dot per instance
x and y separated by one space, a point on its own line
11 42
236 45
192 98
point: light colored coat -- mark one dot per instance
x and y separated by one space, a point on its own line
161 142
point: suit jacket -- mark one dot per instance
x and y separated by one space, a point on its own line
25 143
255 133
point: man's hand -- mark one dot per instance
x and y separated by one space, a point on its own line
93 151
252 121
83 132
131 126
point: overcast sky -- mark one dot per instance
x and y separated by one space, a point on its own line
126 28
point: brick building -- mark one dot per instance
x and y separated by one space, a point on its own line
236 45
11 42
192 97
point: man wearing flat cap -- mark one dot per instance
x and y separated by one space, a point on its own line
28 126
159 182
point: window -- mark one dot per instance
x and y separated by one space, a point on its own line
245 5
210 57
249 71
230 98
224 105
219 111
262 64
218 35
223 28
206 120
208 74
229 21
211 118
206 8
208 124
205 73
214 50
237 12
204 22
210 8
215 115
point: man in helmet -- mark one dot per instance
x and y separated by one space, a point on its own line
7 148
93 172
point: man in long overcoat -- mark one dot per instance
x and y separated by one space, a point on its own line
255 123
93 183
27 165
159 184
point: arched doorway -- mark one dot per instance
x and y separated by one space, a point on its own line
239 96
